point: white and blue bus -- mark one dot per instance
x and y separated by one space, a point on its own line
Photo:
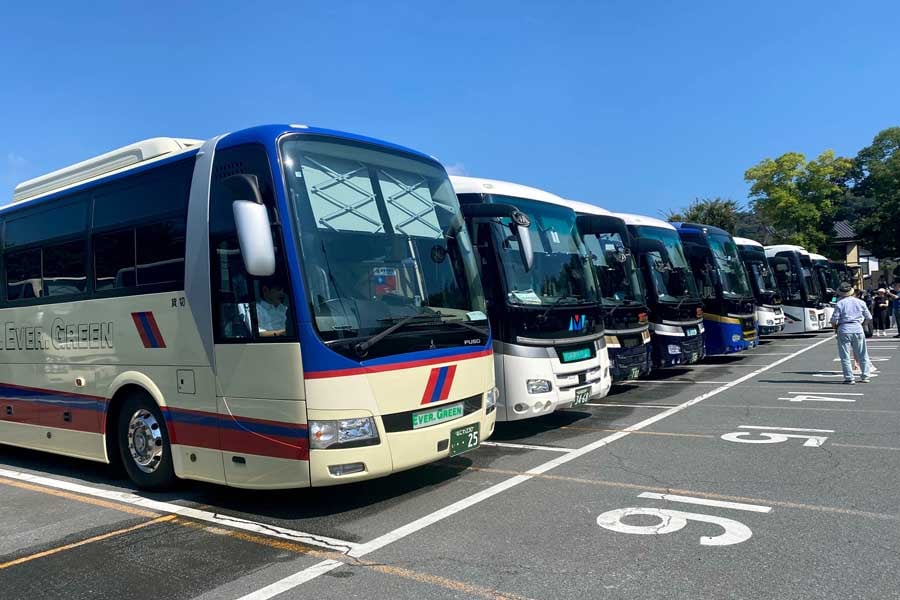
676 312
543 300
804 310
769 314
729 310
625 311
281 306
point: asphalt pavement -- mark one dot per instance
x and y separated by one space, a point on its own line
751 476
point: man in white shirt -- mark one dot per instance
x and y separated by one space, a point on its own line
271 311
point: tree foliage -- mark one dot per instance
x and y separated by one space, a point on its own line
876 171
718 212
797 198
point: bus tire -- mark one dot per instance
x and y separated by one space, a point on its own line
144 444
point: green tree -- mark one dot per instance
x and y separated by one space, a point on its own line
798 198
876 171
718 212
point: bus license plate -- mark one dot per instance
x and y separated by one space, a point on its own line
635 372
582 395
463 439
690 332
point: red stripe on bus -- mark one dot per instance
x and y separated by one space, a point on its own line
154 328
429 387
448 381
145 339
395 366
45 414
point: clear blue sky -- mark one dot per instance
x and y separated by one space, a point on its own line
637 106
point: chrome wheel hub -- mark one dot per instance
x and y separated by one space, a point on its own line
145 442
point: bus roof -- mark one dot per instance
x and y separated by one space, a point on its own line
741 241
478 185
632 219
785 248
140 154
817 256
701 228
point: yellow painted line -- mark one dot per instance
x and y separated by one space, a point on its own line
96 538
667 490
131 510
471 590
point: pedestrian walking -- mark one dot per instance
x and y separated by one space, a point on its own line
880 311
849 315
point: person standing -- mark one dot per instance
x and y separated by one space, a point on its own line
848 318
880 309
894 295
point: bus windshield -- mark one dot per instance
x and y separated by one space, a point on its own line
561 272
382 239
729 267
761 275
829 278
614 264
670 275
810 282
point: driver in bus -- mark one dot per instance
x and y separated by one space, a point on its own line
271 311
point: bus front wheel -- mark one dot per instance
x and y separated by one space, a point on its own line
144 444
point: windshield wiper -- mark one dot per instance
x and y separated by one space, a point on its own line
557 302
362 347
467 325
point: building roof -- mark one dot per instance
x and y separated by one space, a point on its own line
844 231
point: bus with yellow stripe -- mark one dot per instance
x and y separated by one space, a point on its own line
282 306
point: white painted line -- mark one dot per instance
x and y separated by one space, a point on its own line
631 405
816 398
682 381
785 429
184 511
734 364
460 505
527 447
831 393
707 502
771 353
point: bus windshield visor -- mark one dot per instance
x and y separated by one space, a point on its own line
618 278
382 239
561 273
670 276
729 267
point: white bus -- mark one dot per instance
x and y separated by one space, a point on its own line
829 280
546 316
799 287
281 306
769 314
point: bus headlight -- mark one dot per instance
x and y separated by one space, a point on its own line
490 399
342 433
538 386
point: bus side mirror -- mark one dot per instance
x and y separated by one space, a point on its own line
253 227
519 227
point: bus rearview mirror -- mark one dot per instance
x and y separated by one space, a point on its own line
526 252
252 222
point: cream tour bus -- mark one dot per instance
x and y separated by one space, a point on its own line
277 307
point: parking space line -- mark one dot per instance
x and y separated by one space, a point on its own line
807 408
726 497
391 537
607 430
470 590
78 498
91 540
681 381
768 428
866 447
526 446
706 502
631 405
127 498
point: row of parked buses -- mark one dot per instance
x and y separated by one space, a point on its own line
286 306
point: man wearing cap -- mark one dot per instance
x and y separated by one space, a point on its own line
849 315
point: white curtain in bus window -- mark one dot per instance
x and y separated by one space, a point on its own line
340 194
411 207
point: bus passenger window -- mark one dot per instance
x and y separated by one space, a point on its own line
64 269
23 274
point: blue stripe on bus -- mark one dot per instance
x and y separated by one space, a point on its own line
148 331
183 417
441 379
